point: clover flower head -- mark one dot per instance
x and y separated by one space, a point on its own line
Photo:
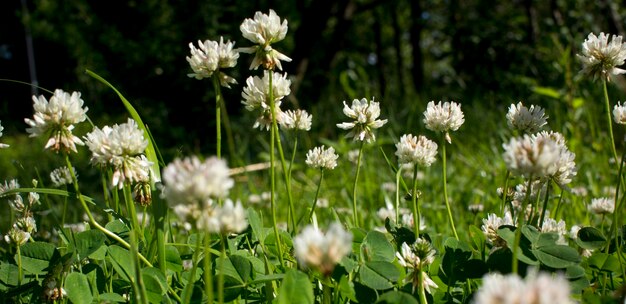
551 225
322 251
61 176
526 120
211 56
532 157
619 113
497 288
602 205
490 228
121 148
1 144
417 257
443 117
320 157
564 167
56 119
256 97
416 150
225 219
191 181
537 288
16 236
601 58
264 30
365 114
296 120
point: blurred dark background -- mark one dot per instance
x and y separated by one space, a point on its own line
403 52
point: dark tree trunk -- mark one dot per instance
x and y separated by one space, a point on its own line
417 71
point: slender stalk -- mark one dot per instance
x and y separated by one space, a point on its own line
356 180
420 289
416 211
292 210
287 176
609 119
220 277
317 192
545 204
92 220
141 289
273 169
189 287
218 114
327 297
520 223
208 272
398 177
558 206
132 212
445 186
505 190
19 265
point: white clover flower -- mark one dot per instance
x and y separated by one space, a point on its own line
316 250
61 176
416 150
545 288
320 157
1 144
8 185
443 117
298 120
564 167
264 30
225 219
190 181
417 257
408 220
603 205
56 119
619 113
212 56
490 228
526 120
121 148
475 208
17 236
551 225
365 114
256 97
600 57
499 289
527 157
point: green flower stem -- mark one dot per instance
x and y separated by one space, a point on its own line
398 177
520 223
220 277
287 176
558 206
609 119
208 272
107 197
354 188
445 186
317 192
92 220
273 133
616 209
132 212
545 204
138 282
416 210
420 289
19 264
189 287
326 286
218 114
505 190
292 211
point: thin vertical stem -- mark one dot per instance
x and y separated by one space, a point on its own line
420 289
545 204
398 177
609 119
189 287
416 211
132 212
317 192
520 223
220 277
208 272
505 190
218 114
287 176
19 264
445 186
356 180
273 168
